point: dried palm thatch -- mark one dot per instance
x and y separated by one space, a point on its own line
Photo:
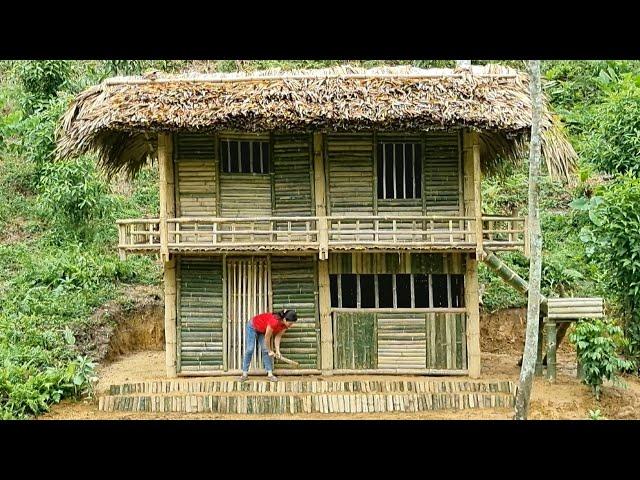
120 118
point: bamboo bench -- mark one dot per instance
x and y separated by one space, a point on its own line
566 310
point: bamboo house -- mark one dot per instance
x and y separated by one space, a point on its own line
350 195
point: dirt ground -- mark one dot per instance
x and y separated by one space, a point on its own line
502 340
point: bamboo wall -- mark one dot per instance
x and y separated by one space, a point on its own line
392 341
288 189
400 341
294 287
442 188
200 345
352 175
245 195
196 173
292 175
349 160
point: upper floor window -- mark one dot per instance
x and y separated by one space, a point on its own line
399 170
244 156
401 290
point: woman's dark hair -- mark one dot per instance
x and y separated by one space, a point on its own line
288 315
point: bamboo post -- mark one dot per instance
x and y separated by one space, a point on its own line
472 302
320 195
122 235
477 195
579 367
324 295
167 190
225 314
527 240
551 350
170 316
167 210
538 369
468 190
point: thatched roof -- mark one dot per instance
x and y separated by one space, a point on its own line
120 117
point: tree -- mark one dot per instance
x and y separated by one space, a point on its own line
535 263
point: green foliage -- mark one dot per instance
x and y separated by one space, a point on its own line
41 80
612 239
596 415
613 143
497 294
575 86
596 343
26 390
565 270
73 195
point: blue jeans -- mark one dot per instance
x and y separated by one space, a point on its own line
251 346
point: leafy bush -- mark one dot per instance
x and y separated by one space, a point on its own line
575 86
612 239
613 143
41 80
73 194
596 343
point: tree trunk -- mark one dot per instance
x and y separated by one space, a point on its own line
535 264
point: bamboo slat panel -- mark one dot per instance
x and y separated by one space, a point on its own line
293 280
196 175
248 285
245 195
200 313
570 308
350 174
401 341
354 340
441 168
292 177
446 341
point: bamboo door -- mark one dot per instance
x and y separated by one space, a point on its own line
248 286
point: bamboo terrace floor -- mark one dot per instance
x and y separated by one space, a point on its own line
291 396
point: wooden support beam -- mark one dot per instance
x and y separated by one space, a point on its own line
170 325
472 303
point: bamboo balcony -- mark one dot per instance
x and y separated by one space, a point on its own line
321 234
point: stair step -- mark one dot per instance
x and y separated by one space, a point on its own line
305 403
309 386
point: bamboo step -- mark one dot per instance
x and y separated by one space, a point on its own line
307 403
291 396
306 386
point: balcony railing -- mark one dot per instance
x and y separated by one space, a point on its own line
505 233
400 231
322 234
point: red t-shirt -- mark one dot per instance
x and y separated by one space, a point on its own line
261 321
